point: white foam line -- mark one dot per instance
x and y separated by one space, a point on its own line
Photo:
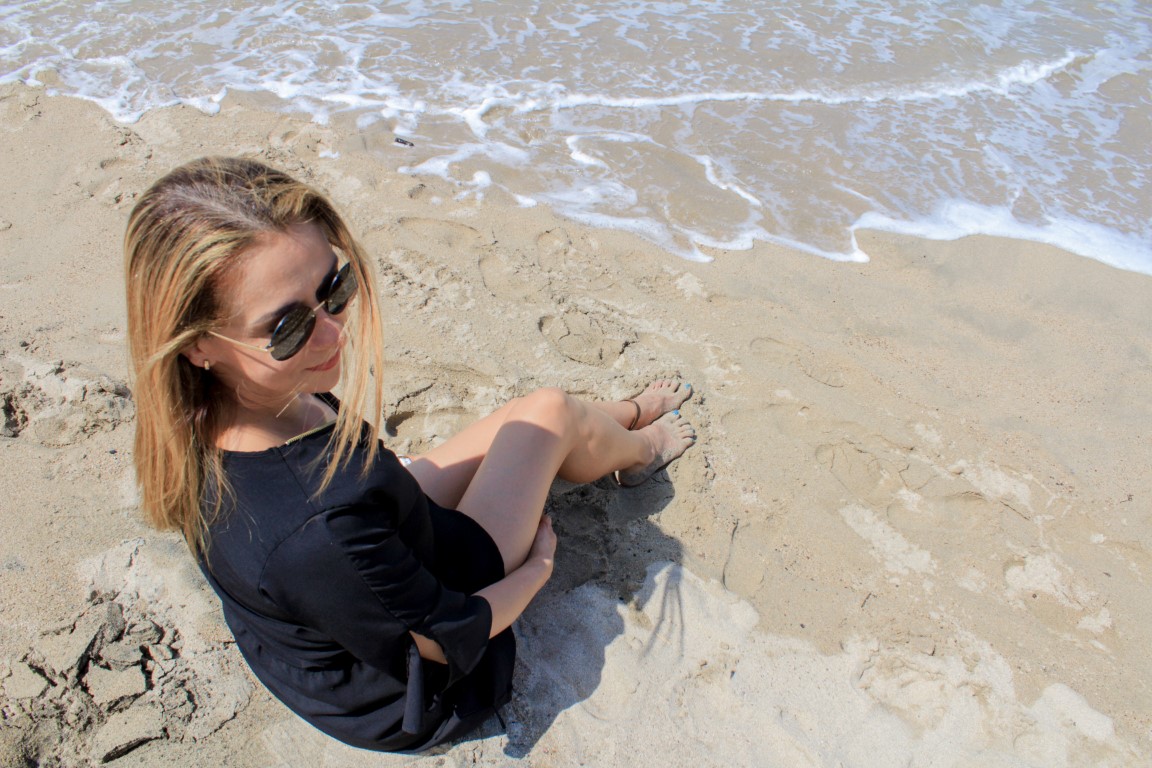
474 116
955 219
1024 74
856 194
710 173
583 158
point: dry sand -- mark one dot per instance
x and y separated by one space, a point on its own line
916 531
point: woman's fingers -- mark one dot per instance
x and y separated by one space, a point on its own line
544 545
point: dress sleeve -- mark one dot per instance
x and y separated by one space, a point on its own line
347 574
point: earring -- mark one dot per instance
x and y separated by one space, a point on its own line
207 365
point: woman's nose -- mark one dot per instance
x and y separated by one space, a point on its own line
328 328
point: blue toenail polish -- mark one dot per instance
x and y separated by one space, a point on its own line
676 413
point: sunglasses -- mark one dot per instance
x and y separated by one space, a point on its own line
295 328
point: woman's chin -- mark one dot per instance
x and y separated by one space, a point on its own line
323 379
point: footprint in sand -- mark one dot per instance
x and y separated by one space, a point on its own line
417 280
824 372
510 277
309 140
417 233
415 431
427 408
770 350
557 253
554 244
584 338
107 182
868 468
766 349
1043 584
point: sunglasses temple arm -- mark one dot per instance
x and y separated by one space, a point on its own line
238 343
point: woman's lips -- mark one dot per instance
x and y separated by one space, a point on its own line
328 364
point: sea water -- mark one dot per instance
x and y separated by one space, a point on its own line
701 124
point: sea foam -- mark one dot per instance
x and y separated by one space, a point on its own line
699 125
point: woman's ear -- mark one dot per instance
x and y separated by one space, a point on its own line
197 355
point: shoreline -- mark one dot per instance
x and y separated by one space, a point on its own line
925 470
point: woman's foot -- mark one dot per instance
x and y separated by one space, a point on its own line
659 398
670 436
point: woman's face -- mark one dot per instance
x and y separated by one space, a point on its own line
282 270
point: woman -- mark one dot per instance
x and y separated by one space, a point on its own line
372 595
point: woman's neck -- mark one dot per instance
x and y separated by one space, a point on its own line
257 429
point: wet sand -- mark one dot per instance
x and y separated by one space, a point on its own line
916 529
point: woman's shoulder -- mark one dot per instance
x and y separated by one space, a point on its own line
273 496
290 478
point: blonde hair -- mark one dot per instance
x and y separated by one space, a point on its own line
184 235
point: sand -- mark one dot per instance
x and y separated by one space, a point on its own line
916 529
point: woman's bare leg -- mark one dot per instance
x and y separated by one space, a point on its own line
522 447
657 399
445 472
549 434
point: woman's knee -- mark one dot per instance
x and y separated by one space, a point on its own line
550 405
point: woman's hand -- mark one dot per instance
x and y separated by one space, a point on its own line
543 548
510 596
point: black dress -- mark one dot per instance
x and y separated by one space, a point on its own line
321 591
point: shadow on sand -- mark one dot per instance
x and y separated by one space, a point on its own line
607 540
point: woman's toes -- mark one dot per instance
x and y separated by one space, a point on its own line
660 397
671 436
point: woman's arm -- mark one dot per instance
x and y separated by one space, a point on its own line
510 596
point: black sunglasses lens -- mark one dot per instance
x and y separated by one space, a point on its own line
295 328
341 290
292 332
